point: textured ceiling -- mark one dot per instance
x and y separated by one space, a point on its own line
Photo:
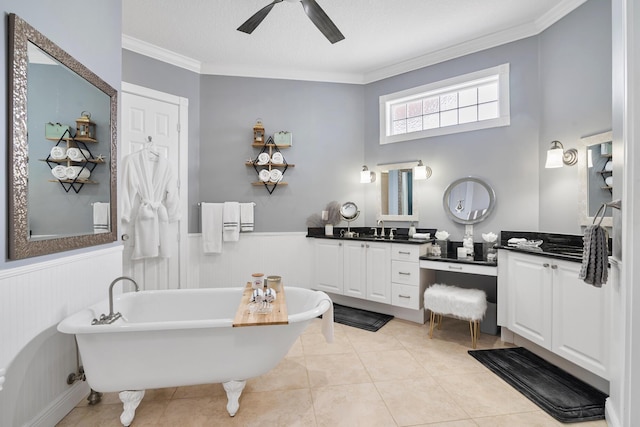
382 37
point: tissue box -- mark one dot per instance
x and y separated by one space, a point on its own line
56 130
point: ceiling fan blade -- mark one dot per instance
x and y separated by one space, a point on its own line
322 21
251 23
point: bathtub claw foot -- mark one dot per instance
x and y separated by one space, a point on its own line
233 389
131 399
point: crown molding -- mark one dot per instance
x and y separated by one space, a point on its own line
161 54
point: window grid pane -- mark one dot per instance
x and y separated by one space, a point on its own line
473 103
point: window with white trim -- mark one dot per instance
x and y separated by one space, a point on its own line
472 101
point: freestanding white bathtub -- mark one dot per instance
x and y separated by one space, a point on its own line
185 337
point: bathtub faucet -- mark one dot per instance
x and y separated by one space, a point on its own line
112 317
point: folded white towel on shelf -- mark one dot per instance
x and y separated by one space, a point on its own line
211 219
77 172
78 154
59 172
58 153
101 217
246 217
421 236
231 222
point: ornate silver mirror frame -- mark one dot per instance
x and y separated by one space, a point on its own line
20 245
468 200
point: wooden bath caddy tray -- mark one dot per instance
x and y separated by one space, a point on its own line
278 315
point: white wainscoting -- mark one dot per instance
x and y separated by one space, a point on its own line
289 255
34 357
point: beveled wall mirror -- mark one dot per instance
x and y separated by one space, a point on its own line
468 200
47 87
396 192
595 169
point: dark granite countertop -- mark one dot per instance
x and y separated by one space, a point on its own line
401 235
452 251
568 247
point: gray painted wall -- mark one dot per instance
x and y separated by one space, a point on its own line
335 128
100 51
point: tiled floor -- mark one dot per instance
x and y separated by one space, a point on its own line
394 377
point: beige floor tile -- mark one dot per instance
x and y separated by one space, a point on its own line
316 344
296 349
351 405
293 408
527 419
195 412
99 415
203 390
290 374
458 423
364 341
417 401
335 369
444 358
484 394
159 394
392 365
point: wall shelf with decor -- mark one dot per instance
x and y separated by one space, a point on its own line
269 164
72 163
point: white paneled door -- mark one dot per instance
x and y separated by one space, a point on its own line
148 115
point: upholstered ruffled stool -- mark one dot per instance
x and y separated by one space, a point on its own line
451 301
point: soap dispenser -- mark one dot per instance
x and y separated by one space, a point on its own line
412 230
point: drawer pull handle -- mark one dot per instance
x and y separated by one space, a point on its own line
451 267
404 274
404 296
404 253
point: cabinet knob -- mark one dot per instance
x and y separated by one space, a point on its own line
362 245
545 265
555 267
125 237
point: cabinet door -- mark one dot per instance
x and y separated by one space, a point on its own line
355 255
379 272
529 282
580 319
329 266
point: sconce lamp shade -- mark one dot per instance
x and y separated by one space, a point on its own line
421 172
557 156
366 176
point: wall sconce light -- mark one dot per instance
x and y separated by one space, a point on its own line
421 172
366 176
557 155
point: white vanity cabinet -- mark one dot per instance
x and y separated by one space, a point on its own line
407 289
354 268
329 265
550 306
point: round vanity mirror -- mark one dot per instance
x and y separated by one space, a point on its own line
349 211
468 200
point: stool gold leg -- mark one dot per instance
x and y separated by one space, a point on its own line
439 321
474 327
432 319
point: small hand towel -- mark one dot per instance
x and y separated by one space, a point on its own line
77 172
58 153
101 211
211 218
59 172
595 256
78 154
421 236
231 222
246 217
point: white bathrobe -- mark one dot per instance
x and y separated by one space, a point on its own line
149 203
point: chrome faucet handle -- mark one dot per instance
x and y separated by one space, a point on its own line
375 231
391 232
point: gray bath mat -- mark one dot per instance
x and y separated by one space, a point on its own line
363 319
560 394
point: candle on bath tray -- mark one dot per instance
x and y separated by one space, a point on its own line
277 316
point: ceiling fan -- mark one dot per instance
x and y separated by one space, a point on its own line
313 11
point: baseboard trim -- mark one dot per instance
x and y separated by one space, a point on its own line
610 414
61 406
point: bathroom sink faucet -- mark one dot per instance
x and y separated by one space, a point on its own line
112 317
381 228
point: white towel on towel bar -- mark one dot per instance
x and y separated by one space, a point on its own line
101 217
211 217
246 217
231 222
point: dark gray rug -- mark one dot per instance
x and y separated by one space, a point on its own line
363 319
560 394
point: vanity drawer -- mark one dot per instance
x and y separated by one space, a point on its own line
405 296
405 252
405 272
